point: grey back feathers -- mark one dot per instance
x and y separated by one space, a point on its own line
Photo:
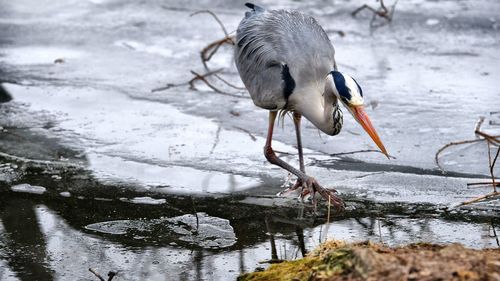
279 52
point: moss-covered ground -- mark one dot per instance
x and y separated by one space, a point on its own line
336 260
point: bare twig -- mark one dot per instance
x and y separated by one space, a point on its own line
196 216
382 11
492 165
209 51
214 46
495 193
111 275
482 136
494 234
491 141
96 274
203 78
229 84
436 157
214 16
205 55
480 198
190 82
482 183
362 7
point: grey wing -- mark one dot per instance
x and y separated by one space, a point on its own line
258 62
273 47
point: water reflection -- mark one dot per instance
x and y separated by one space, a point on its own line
47 239
24 244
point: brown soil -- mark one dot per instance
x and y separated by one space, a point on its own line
336 260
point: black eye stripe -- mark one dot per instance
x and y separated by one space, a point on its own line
341 86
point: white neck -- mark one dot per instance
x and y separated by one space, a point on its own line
319 107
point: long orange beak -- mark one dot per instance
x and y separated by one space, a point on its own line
363 119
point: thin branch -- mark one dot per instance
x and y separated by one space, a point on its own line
203 78
229 84
97 274
382 12
436 157
362 7
495 234
492 166
206 55
493 140
482 183
196 216
190 82
215 17
480 198
210 50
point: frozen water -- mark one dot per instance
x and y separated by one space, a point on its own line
88 130
28 188
199 230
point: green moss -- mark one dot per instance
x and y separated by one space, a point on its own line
334 262
290 270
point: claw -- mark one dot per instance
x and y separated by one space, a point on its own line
309 188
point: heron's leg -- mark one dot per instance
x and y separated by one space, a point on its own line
309 182
296 121
271 156
299 183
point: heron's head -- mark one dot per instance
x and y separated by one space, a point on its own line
348 91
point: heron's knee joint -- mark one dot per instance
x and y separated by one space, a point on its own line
269 153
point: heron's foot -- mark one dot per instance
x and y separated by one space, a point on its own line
298 184
309 187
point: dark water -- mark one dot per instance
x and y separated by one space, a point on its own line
59 238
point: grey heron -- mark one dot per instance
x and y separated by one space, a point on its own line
286 61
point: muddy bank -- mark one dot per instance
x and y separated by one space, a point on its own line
337 260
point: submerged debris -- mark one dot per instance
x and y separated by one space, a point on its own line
336 260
